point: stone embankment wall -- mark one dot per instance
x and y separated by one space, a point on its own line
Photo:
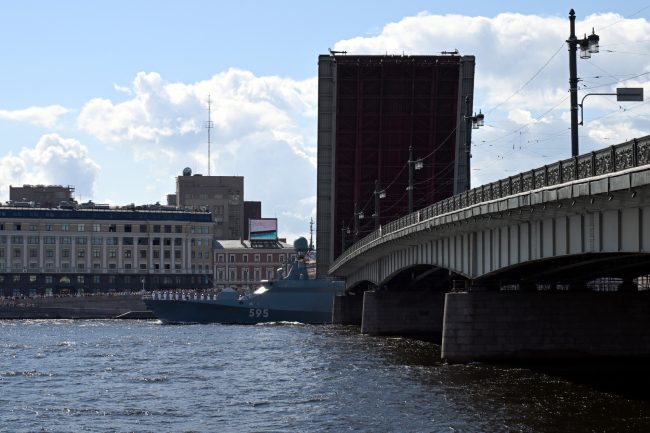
71 307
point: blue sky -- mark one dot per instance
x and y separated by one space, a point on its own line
110 96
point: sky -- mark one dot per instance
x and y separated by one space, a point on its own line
111 97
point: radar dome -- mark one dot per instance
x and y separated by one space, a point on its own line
187 171
301 244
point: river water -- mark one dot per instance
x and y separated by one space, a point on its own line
141 376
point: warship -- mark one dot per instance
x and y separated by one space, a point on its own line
293 297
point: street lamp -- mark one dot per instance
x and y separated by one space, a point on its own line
414 164
379 194
471 122
588 46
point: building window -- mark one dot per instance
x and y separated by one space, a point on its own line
127 254
269 258
96 279
127 265
281 258
111 279
127 241
177 254
81 252
66 240
168 228
112 227
168 254
49 253
65 227
143 228
232 258
96 253
127 228
156 254
269 274
17 253
49 279
81 266
96 240
178 229
81 227
257 258
220 258
143 266
167 242
48 227
112 253
33 227
178 242
97 227
81 240
143 241
33 253
18 226
156 228
97 265
143 254
245 258
17 240
80 279
155 241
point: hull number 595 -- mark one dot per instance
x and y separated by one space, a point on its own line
258 312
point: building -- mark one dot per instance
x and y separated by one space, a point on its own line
375 114
242 266
41 195
252 210
88 250
223 196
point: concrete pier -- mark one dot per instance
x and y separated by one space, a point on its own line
506 326
416 313
347 310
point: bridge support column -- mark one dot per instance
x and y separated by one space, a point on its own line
508 326
347 310
403 313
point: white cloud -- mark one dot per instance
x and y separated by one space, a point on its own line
521 81
53 161
42 116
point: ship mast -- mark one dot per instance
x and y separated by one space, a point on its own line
311 234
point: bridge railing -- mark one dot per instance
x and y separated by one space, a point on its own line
608 160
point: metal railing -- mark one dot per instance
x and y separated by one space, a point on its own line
615 158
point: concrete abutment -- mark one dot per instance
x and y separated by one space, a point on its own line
347 310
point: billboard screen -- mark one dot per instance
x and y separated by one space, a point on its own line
265 229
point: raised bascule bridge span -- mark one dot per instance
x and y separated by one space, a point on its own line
511 269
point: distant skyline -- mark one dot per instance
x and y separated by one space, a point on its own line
111 97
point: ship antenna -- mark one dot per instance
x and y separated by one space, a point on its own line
209 125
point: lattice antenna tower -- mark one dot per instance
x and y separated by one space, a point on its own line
209 125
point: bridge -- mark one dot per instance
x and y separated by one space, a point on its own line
516 268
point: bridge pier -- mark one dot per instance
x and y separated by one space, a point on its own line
508 326
347 310
406 313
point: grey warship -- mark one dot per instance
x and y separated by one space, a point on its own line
293 298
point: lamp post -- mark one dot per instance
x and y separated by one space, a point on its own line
379 194
588 45
358 215
414 164
471 122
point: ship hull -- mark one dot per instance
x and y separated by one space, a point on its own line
188 311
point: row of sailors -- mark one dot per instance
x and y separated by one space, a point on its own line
183 296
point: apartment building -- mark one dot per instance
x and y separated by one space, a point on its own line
242 266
